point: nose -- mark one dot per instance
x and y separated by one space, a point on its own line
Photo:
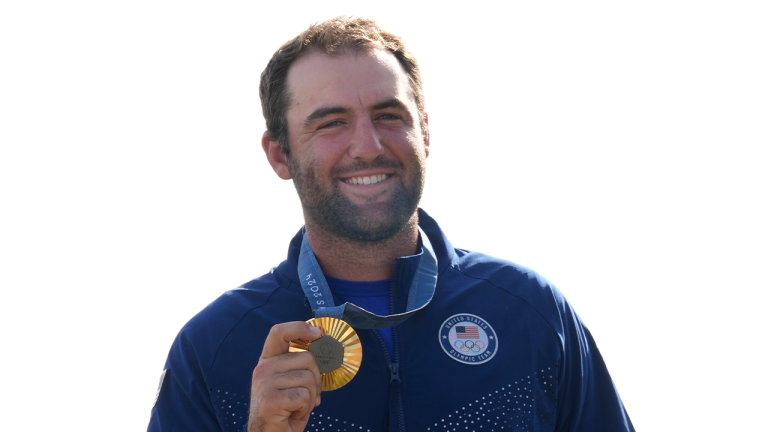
366 142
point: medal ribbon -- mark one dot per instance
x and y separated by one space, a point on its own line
321 300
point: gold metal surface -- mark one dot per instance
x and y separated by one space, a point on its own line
353 350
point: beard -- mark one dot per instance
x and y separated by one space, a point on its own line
367 223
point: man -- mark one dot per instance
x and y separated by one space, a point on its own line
452 340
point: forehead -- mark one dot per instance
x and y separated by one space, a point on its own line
349 80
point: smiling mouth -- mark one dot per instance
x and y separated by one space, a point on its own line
367 179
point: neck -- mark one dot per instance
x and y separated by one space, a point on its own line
361 261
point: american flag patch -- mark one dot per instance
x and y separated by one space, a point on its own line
467 332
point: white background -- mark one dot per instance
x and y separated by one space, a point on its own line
615 147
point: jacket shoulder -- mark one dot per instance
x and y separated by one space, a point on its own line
515 280
208 329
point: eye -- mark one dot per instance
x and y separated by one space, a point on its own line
389 117
330 125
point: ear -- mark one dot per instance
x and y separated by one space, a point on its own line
275 156
426 135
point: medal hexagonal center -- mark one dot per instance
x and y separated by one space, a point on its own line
328 352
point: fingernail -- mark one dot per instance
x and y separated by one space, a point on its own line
315 331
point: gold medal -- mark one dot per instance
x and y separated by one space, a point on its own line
338 352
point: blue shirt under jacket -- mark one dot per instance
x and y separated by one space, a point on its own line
498 348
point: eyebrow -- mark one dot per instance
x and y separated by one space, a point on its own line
322 112
391 103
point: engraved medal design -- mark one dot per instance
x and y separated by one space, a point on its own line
338 352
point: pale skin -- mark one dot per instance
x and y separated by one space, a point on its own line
372 115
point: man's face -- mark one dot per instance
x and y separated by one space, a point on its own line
357 150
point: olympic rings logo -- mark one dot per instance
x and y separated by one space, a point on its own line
469 346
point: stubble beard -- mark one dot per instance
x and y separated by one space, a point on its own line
372 223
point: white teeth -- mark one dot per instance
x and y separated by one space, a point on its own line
367 180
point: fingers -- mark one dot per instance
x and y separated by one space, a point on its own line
294 378
289 363
277 344
281 335
286 386
285 362
299 388
304 374
276 409
293 402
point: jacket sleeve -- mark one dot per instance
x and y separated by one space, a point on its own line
587 399
184 402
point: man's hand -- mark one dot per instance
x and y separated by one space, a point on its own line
286 386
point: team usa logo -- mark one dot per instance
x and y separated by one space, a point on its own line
468 339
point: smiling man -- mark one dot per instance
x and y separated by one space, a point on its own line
451 339
357 152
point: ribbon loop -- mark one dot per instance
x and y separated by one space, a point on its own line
318 292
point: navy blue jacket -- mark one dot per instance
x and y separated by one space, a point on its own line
538 368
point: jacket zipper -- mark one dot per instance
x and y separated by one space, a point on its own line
394 379
394 367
